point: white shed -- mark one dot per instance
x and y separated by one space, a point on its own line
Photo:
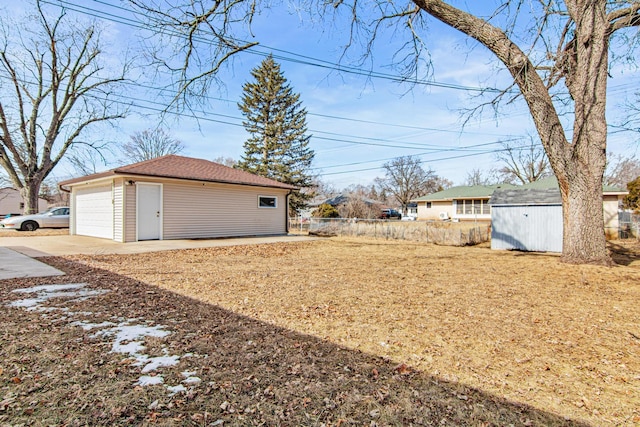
529 217
175 197
526 220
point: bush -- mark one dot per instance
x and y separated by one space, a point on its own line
632 200
326 211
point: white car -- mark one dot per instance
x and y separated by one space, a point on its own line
51 218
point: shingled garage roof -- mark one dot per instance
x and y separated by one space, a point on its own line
526 197
188 168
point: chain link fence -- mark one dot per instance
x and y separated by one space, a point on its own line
629 225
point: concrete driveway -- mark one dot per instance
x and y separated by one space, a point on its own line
41 246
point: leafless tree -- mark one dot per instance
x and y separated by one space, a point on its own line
324 189
194 40
406 179
574 38
357 207
54 87
479 177
522 162
621 170
227 161
50 191
149 144
556 52
86 160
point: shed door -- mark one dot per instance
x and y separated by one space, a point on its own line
527 228
94 211
149 211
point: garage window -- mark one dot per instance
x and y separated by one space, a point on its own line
267 202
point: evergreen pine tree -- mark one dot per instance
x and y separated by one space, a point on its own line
278 147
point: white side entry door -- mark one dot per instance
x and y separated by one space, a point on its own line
149 211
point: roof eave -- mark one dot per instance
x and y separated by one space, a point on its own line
116 173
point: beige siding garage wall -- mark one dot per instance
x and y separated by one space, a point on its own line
195 210
129 213
118 210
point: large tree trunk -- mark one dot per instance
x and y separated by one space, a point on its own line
580 172
583 221
579 164
29 193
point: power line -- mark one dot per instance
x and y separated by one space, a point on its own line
285 55
137 24
423 161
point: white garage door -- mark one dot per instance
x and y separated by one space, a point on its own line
94 212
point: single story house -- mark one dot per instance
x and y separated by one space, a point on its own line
462 203
176 197
412 210
530 217
11 202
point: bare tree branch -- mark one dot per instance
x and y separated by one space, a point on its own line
149 144
405 179
56 74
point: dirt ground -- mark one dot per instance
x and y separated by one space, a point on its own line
332 332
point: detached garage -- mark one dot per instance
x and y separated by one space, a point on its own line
175 197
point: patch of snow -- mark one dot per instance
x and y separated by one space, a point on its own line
88 326
134 348
192 380
29 302
50 288
176 389
128 334
131 336
72 291
153 363
146 380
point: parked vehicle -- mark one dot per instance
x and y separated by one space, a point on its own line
390 213
51 218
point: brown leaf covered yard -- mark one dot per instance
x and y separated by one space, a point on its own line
333 332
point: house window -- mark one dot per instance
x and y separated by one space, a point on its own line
486 209
428 205
468 207
267 202
472 207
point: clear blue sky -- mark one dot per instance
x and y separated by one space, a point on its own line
358 123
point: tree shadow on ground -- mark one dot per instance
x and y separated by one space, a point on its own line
251 372
624 252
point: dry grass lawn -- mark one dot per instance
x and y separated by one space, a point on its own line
340 332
